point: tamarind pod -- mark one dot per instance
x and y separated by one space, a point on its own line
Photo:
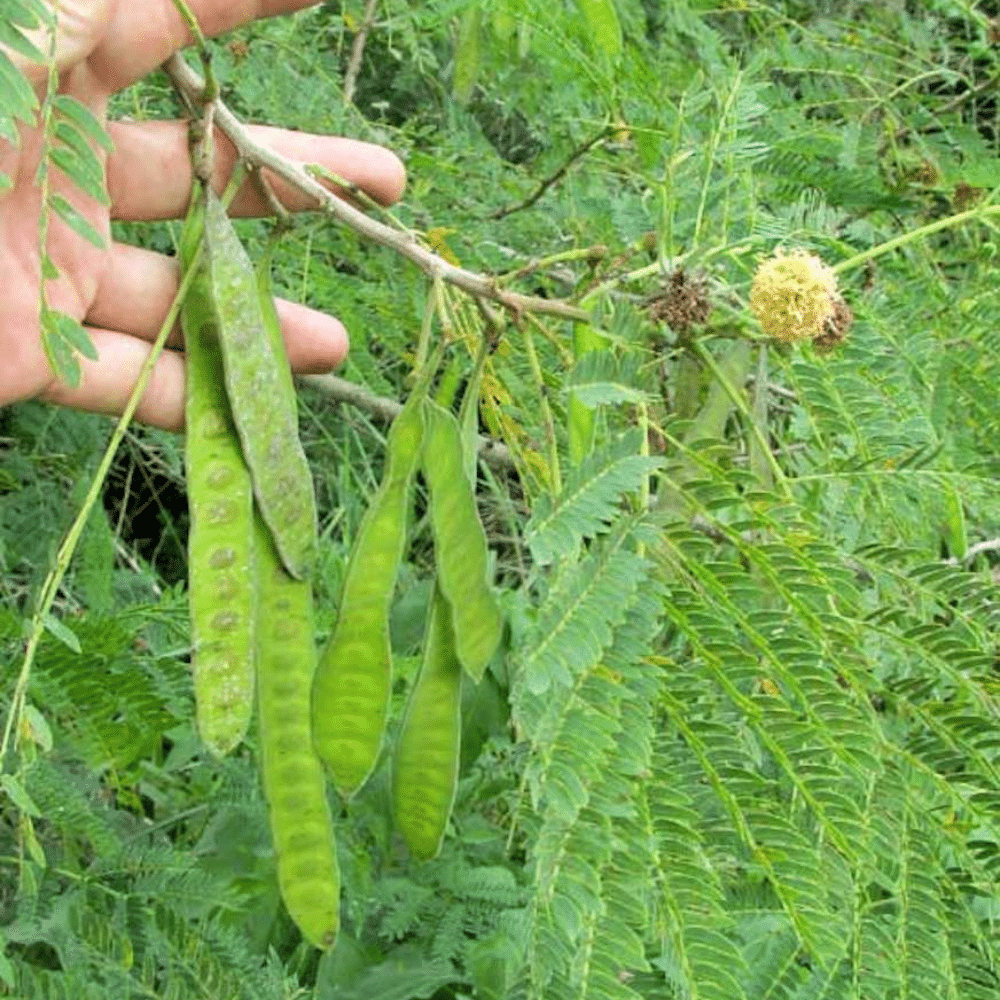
220 499
426 756
294 784
268 430
351 692
460 550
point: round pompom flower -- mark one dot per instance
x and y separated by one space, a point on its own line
794 296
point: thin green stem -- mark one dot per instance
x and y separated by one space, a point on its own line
55 577
740 403
982 212
555 477
426 329
590 254
42 179
187 16
644 493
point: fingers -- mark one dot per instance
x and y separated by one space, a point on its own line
135 293
131 302
144 33
149 174
107 383
138 289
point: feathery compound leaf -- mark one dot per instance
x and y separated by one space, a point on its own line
599 378
29 14
17 99
83 118
591 849
63 338
77 160
575 622
16 41
75 220
590 500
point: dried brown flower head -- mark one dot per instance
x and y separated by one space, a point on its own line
835 328
683 303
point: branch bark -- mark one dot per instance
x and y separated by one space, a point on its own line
340 390
358 50
482 286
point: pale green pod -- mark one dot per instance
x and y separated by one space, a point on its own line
294 784
426 756
220 499
353 683
460 549
272 326
256 381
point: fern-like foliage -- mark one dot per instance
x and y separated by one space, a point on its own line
741 739
119 910
590 501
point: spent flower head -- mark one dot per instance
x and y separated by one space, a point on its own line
794 296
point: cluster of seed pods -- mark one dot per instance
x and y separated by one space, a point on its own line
252 549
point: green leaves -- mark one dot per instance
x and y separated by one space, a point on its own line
83 121
590 500
70 133
75 220
15 40
603 26
19 100
63 339
601 379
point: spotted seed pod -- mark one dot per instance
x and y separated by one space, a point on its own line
220 550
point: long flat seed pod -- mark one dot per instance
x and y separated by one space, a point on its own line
426 756
294 784
220 498
353 683
272 326
460 543
256 387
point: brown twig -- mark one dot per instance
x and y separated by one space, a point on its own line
492 452
991 545
552 179
296 174
358 50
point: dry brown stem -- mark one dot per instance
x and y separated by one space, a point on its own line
482 286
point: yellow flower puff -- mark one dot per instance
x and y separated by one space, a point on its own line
794 296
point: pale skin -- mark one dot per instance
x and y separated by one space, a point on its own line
122 294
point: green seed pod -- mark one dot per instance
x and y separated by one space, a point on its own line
256 381
426 757
294 785
220 556
353 683
460 543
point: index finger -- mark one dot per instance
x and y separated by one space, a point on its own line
149 174
141 34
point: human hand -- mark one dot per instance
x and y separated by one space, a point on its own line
123 293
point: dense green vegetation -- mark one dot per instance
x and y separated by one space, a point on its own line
740 740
